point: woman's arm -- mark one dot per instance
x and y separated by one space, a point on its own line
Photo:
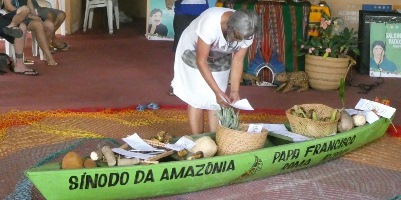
202 54
31 7
9 6
237 67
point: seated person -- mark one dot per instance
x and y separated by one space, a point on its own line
12 29
52 19
35 24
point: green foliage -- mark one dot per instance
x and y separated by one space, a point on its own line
329 43
228 118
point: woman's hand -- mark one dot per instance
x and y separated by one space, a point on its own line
222 99
34 17
234 96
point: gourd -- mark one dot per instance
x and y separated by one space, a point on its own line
359 120
72 160
206 145
345 122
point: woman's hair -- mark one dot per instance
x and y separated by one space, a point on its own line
245 22
154 11
379 43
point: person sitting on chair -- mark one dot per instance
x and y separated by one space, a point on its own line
52 20
41 30
12 29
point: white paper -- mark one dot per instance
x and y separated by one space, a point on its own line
280 129
352 111
129 154
182 143
381 109
255 128
242 104
371 116
137 143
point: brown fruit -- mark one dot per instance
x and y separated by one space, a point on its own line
72 160
89 163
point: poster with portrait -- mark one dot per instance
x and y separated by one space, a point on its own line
159 20
385 50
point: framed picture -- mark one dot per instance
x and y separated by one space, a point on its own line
380 44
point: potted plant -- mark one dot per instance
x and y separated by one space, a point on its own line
327 56
232 137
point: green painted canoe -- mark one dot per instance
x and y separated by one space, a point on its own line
176 177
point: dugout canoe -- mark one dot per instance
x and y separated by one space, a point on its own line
177 177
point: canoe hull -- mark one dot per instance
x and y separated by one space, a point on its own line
178 177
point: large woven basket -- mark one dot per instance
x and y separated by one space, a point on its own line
325 73
231 141
312 128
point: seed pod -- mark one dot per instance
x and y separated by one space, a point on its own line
109 155
127 161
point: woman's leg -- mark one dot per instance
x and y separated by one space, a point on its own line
49 30
57 21
37 28
20 16
213 120
195 117
19 44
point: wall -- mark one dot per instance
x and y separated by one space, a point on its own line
349 10
74 20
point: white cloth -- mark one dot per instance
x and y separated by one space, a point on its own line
188 83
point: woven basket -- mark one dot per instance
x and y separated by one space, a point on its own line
312 128
325 73
231 141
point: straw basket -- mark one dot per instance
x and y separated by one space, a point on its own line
325 73
231 141
312 128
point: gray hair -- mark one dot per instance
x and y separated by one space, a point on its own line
246 22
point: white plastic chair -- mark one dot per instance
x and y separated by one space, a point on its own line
110 5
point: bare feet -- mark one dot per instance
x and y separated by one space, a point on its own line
20 68
51 61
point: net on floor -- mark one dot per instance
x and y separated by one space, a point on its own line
30 139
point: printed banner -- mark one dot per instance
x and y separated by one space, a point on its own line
385 50
159 20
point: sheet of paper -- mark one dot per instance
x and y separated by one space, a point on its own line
280 130
182 143
242 104
137 143
129 154
371 116
381 109
255 128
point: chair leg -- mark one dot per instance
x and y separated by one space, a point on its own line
86 16
116 14
90 18
110 15
34 46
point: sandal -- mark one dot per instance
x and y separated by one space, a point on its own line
153 106
14 31
30 72
29 62
140 107
65 47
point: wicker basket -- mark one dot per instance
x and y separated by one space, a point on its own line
325 73
231 141
312 128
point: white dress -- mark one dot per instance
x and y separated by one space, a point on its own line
188 83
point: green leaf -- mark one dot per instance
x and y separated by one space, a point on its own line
341 91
